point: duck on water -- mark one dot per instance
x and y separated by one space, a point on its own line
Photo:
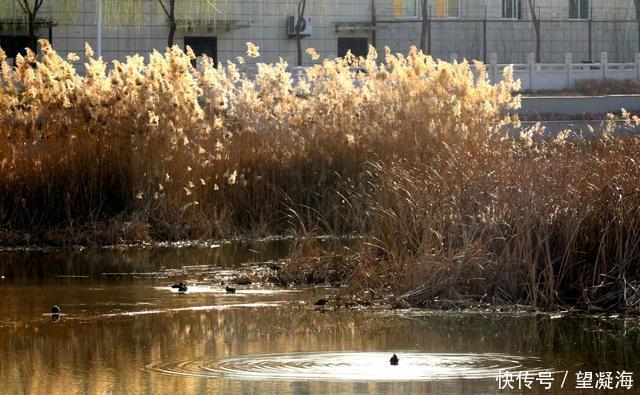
182 288
55 313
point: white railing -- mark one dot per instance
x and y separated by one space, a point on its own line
556 76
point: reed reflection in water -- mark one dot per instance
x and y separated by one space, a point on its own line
127 332
189 351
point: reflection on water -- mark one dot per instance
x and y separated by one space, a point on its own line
132 334
134 262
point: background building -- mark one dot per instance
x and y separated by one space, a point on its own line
468 28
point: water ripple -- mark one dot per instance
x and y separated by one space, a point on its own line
352 366
195 308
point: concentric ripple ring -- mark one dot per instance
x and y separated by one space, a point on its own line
352 366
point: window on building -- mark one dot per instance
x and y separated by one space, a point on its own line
404 8
512 9
203 46
447 9
359 46
579 9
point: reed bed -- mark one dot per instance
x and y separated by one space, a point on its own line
159 150
408 152
550 224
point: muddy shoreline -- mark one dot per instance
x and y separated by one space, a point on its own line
331 271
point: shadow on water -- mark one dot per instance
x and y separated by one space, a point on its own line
132 334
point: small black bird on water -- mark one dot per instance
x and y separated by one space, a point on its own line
181 287
230 290
55 313
321 302
394 360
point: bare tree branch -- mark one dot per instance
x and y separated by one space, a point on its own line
36 6
164 8
24 5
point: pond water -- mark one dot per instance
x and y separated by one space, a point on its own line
123 329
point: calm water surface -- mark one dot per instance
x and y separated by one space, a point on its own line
124 330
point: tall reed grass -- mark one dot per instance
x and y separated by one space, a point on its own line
409 153
161 150
545 223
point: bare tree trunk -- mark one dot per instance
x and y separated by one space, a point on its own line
172 22
373 23
536 25
31 27
425 21
170 12
301 7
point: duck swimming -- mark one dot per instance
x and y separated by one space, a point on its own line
55 313
181 287
230 290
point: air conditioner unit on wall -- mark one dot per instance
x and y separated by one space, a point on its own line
305 30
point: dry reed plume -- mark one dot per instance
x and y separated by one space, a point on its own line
161 150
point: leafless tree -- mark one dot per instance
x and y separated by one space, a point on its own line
30 9
169 8
302 4
536 25
425 25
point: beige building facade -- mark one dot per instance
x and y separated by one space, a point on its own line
469 29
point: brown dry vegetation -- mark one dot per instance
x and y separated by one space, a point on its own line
160 150
408 154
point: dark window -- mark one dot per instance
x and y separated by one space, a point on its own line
359 46
203 46
14 45
512 9
579 9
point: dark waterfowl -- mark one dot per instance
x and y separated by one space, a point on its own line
55 313
182 288
230 290
321 302
394 360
